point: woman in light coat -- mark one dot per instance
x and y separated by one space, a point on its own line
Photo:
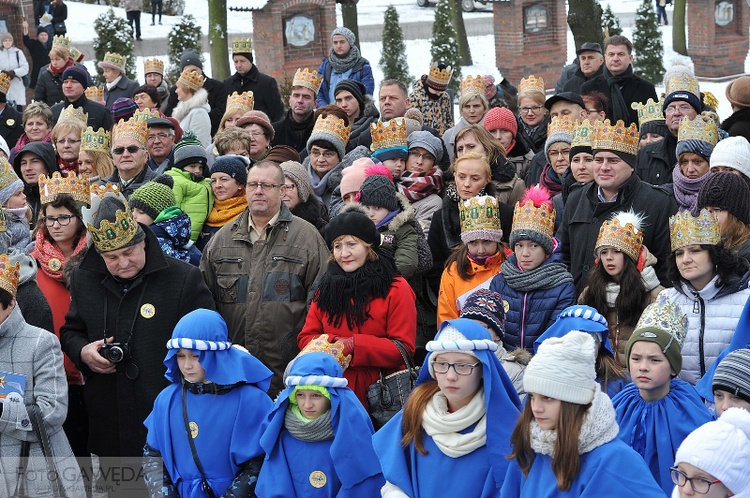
13 62
192 109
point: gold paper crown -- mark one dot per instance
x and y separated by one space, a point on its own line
7 175
241 102
532 84
622 232
472 84
337 126
73 113
61 41
4 82
153 66
528 217
9 275
242 45
108 188
115 59
321 345
681 79
143 115
648 112
76 54
710 100
480 213
3 226
132 128
95 93
72 185
192 79
687 230
583 134
441 77
95 141
392 133
112 236
703 128
618 137
561 124
308 79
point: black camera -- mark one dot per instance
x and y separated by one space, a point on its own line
115 351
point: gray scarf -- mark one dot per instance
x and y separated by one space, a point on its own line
343 64
320 429
545 276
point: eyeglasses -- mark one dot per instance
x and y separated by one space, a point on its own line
425 156
442 367
533 108
118 151
700 485
264 186
67 141
160 136
63 220
290 186
256 134
564 152
684 109
328 154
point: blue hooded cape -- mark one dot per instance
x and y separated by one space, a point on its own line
478 474
348 462
227 426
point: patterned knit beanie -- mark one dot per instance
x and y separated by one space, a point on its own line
486 306
733 374
189 151
379 191
298 175
154 197
123 108
726 191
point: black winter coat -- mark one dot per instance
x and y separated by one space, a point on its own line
264 88
577 80
534 141
11 127
738 124
657 160
99 116
635 89
39 57
124 88
217 99
144 317
291 133
48 87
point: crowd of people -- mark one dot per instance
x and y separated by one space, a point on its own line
212 280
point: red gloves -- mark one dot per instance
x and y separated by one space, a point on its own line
347 342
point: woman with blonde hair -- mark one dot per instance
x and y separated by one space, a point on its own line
533 117
94 159
473 105
66 137
192 108
48 87
37 126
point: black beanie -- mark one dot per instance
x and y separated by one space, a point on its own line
379 191
357 90
352 221
726 191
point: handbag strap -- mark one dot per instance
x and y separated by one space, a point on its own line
40 428
204 483
405 354
21 482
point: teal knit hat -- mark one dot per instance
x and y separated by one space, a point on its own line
154 197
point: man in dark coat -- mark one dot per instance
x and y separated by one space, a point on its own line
248 78
125 294
294 129
615 188
619 83
11 121
75 80
590 65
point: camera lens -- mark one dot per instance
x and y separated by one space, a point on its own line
115 354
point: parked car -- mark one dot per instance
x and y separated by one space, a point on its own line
466 5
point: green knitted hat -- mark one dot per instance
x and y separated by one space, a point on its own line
154 197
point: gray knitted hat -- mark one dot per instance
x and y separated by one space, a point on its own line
733 374
298 175
346 33
189 151
379 191
321 133
427 141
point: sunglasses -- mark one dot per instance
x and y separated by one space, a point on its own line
118 151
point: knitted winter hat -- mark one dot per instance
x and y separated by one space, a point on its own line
427 141
154 197
721 448
663 323
282 153
726 191
500 118
189 151
77 73
356 88
733 374
113 226
681 84
732 152
298 175
563 368
534 219
480 219
260 118
559 129
487 307
439 76
379 191
352 221
9 181
123 108
333 130
353 176
346 33
190 58
233 166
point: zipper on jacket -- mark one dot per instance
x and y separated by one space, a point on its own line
523 322
287 259
230 260
701 353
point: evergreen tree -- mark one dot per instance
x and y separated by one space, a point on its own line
611 23
444 47
393 58
113 35
184 35
647 44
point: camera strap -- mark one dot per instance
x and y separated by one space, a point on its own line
204 482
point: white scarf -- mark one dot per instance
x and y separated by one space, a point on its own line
599 427
650 281
445 428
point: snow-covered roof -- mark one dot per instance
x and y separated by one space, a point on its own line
246 4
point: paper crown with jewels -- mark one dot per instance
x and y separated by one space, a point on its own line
95 93
392 133
112 236
307 79
242 45
530 217
687 230
663 316
622 232
7 175
648 112
101 191
439 78
335 349
583 134
153 66
472 84
619 137
337 126
71 184
240 102
532 84
95 141
5 81
143 115
3 226
9 274
703 128
191 79
680 78
132 128
114 59
61 41
480 219
74 114
76 54
561 124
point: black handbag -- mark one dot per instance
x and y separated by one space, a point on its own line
60 28
388 395
37 421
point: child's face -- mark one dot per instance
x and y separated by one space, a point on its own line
312 403
458 389
546 411
724 400
195 169
613 262
395 166
17 200
142 217
650 370
191 369
529 254
482 248
701 481
376 214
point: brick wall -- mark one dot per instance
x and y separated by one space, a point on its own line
717 51
277 58
519 53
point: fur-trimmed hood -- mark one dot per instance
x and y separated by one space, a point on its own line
405 216
198 100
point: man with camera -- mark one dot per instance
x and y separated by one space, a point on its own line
126 298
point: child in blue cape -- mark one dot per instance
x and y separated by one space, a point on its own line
456 422
610 376
657 411
221 390
318 439
565 442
